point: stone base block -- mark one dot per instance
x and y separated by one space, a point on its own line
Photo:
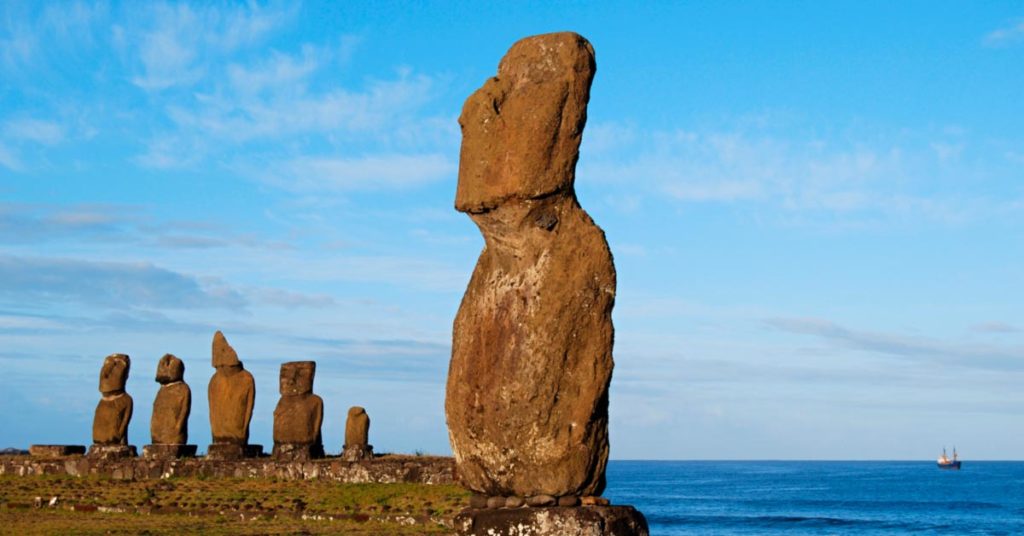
231 451
552 521
112 452
54 451
169 452
355 453
294 452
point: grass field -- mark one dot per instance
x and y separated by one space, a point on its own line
93 505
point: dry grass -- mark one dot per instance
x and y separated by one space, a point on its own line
222 506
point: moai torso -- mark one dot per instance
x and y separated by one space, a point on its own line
110 424
232 394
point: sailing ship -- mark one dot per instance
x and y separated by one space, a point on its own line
946 463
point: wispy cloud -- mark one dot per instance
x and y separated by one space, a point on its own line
1013 33
108 284
996 327
181 41
36 130
854 179
377 172
928 350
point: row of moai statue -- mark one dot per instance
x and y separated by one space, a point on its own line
232 392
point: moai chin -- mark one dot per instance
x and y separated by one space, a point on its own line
169 424
357 436
232 393
114 411
299 414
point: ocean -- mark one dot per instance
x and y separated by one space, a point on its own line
815 497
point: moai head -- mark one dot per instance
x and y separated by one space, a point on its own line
543 86
114 374
355 411
223 354
297 377
169 370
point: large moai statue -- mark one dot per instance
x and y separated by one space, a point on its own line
114 412
232 393
298 415
357 436
527 392
168 426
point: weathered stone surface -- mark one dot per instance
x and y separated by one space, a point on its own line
299 413
232 392
357 436
541 500
384 470
173 404
552 521
114 411
112 452
168 452
233 451
54 451
527 393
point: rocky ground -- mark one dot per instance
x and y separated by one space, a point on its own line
60 504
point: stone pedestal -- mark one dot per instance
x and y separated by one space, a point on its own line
112 452
355 453
231 451
55 451
169 452
552 521
293 452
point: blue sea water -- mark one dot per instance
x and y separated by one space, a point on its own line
794 497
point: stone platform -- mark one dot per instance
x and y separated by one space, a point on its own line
294 452
54 451
552 521
168 452
231 451
386 469
112 452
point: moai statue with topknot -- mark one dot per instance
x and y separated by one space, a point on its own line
232 393
298 415
114 412
357 434
171 408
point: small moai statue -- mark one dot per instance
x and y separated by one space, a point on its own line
357 433
114 412
298 415
169 425
232 393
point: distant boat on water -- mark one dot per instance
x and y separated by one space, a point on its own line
946 463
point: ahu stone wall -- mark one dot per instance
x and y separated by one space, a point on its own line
383 469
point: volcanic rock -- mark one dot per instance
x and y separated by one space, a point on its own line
173 404
357 436
299 413
232 392
114 411
527 392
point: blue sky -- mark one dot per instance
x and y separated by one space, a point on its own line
816 211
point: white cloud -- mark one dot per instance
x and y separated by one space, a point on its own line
1007 35
36 130
9 160
183 41
376 172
